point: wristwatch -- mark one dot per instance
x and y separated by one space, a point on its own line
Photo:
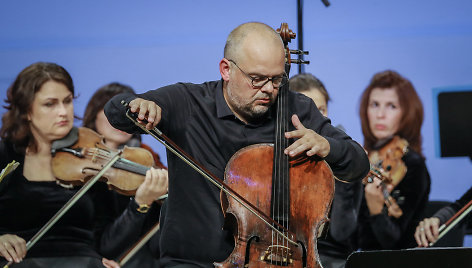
143 208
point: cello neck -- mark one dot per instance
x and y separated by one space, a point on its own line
280 176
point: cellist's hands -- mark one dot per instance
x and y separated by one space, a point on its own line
307 140
154 186
427 231
148 110
12 247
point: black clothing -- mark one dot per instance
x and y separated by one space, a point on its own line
444 214
384 232
340 240
117 240
26 206
59 262
88 229
197 118
118 223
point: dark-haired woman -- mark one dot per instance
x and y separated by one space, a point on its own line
39 111
390 107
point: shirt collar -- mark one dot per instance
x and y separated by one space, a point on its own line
222 108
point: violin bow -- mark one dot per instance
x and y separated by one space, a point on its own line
453 221
138 245
69 204
175 149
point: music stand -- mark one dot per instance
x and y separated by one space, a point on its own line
411 258
453 121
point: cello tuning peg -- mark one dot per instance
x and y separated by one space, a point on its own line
299 61
299 52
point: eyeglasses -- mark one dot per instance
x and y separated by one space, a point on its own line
260 81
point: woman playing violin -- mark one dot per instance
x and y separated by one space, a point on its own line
39 111
114 204
390 107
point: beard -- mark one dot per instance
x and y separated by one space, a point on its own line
248 109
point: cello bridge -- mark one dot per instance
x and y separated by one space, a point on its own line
278 255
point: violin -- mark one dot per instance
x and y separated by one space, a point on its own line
388 166
74 164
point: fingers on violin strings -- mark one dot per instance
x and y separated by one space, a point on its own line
163 178
149 176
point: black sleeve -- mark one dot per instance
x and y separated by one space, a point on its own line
345 209
116 230
446 213
116 113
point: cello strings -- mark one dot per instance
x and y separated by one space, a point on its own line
286 170
285 175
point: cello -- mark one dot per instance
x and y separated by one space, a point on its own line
296 193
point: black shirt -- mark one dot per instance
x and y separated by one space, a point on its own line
197 118
25 206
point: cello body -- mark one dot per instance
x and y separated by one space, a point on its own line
311 188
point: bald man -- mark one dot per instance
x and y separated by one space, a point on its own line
212 121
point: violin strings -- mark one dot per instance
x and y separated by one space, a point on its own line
104 155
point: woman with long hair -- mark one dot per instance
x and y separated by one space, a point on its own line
391 111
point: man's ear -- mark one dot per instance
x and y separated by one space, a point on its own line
224 69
